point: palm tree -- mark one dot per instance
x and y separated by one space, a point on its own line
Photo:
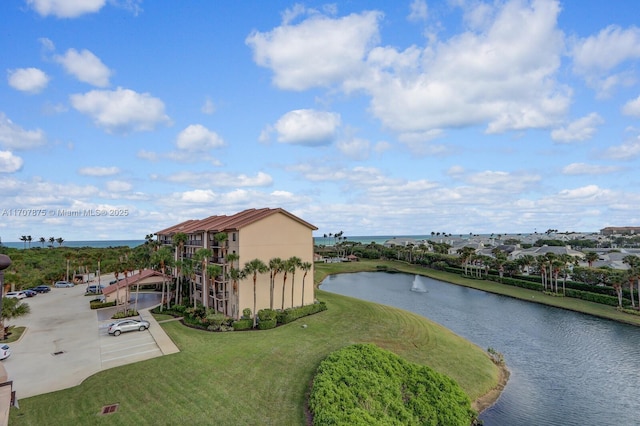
294 264
633 274
29 239
255 267
212 272
235 275
59 240
275 267
232 270
288 266
179 240
24 241
201 257
163 259
590 257
42 241
306 267
51 241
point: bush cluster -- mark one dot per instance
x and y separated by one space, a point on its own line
365 385
292 314
98 303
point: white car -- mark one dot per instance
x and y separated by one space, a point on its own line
16 295
63 284
5 351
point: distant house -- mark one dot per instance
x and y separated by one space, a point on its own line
262 234
353 258
620 230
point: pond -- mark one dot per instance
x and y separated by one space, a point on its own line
566 368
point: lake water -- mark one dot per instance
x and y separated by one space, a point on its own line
566 368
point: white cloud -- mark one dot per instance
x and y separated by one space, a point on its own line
99 171
66 8
10 163
632 108
85 66
221 179
118 186
208 107
595 57
579 130
418 11
354 148
319 51
588 169
13 136
121 110
627 151
31 80
307 127
197 138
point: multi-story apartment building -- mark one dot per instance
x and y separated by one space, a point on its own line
263 234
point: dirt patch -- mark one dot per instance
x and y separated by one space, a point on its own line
490 398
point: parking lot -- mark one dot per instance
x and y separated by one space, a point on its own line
65 342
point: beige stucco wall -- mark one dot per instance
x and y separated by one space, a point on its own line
275 236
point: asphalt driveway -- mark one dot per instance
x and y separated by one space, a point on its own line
65 342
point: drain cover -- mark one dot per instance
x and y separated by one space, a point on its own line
108 409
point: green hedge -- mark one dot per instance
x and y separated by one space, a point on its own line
365 385
593 297
267 324
97 304
292 314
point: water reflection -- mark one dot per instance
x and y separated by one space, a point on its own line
566 368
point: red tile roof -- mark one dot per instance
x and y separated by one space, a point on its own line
229 223
133 280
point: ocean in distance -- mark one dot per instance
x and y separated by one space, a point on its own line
75 244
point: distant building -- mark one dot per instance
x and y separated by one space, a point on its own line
620 230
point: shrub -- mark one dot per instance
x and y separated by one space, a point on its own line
363 385
246 313
97 304
267 314
267 324
242 324
217 320
292 314
125 314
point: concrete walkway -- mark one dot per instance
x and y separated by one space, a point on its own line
65 342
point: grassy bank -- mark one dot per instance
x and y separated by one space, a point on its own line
256 377
591 308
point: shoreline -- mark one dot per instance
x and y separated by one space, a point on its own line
493 395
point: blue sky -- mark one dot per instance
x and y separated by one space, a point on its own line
119 118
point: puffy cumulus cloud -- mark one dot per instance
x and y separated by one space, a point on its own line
15 137
121 110
318 51
85 66
588 169
501 74
10 163
627 151
99 171
355 148
221 179
197 138
65 8
579 130
307 127
31 80
118 186
632 108
198 196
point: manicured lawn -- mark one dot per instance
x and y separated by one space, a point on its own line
255 377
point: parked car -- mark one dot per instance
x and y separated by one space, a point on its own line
123 326
5 351
30 293
41 289
63 284
95 289
16 295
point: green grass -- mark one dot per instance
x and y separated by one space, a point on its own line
255 377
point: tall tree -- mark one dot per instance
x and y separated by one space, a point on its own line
163 259
275 267
212 272
201 257
306 267
59 240
295 263
590 257
633 274
179 240
255 267
42 241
